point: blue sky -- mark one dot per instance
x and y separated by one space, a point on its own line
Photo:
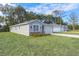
47 8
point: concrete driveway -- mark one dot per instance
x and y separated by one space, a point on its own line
66 35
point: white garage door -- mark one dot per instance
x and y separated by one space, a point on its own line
48 29
56 29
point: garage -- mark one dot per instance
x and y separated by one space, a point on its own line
57 29
48 29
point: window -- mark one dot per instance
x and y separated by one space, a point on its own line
35 28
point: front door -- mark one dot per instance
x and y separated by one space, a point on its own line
42 28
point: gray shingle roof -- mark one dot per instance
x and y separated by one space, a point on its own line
26 22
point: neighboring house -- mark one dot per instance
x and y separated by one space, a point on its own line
36 26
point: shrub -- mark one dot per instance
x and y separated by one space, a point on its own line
76 27
4 29
38 34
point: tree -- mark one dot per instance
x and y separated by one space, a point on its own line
7 10
58 14
30 16
19 14
1 19
73 20
49 19
59 20
58 17
14 15
40 16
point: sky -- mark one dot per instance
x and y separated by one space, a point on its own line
47 8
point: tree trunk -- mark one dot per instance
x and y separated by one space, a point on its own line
73 25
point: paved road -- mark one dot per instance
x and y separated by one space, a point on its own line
66 35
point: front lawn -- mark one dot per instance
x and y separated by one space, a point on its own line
76 32
14 44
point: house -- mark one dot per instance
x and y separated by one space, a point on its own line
37 26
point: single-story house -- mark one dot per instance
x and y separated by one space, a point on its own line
36 26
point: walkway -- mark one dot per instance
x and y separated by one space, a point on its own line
66 35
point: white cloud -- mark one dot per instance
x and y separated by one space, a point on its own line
45 8
38 9
63 7
11 4
69 7
3 4
48 8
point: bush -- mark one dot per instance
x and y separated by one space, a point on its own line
38 34
76 27
4 29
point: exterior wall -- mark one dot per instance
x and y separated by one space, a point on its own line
59 28
32 25
47 29
65 28
26 29
23 29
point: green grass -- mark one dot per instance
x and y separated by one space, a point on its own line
76 32
15 45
